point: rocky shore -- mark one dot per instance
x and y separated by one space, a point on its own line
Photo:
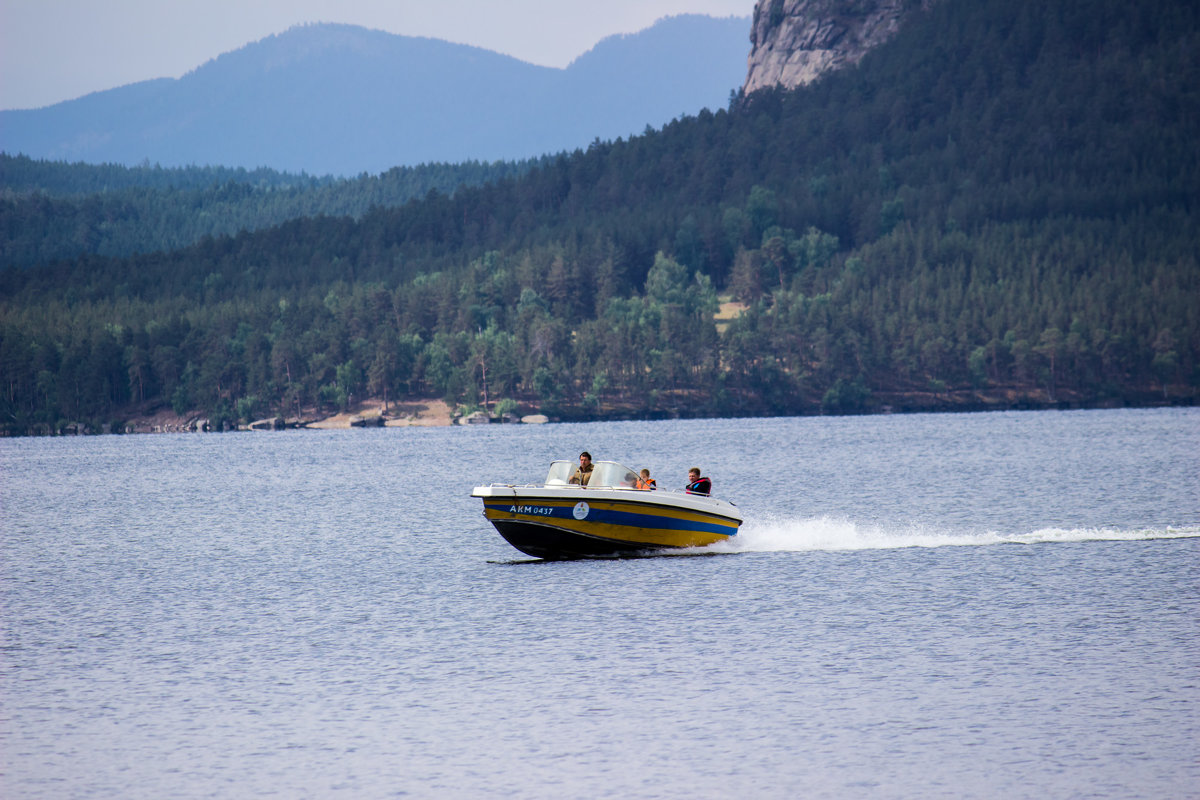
368 414
435 412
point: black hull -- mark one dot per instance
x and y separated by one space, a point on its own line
556 544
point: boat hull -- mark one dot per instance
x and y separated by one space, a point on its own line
554 544
589 524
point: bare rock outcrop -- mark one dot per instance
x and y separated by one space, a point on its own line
793 42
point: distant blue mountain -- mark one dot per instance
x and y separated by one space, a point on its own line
339 99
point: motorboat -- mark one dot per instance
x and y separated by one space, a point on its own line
609 516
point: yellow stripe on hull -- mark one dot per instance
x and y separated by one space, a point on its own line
635 525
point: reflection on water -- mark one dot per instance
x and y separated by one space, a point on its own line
945 606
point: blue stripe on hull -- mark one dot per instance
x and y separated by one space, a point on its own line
632 519
603 513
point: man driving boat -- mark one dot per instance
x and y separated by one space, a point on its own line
583 473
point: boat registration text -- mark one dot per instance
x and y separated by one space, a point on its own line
540 511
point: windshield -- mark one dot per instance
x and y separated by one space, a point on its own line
560 473
612 475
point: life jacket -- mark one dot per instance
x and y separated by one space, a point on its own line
646 484
699 486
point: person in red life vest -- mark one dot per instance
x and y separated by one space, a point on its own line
645 482
696 484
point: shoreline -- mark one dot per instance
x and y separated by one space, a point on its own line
437 413
369 413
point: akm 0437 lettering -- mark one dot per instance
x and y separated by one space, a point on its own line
540 511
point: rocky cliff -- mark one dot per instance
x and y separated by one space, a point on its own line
795 41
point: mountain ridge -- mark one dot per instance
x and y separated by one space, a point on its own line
340 99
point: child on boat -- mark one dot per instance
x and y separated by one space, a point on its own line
645 482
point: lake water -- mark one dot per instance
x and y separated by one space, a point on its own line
978 605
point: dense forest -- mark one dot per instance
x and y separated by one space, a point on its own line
995 209
51 211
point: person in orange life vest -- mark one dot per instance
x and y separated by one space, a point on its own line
646 482
583 473
696 484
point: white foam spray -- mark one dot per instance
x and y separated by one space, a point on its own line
824 533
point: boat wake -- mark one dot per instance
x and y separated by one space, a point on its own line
822 533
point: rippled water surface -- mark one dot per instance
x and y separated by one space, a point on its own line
986 605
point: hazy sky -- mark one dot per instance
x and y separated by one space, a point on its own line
54 50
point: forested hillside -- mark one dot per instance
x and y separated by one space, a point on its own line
51 211
997 207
